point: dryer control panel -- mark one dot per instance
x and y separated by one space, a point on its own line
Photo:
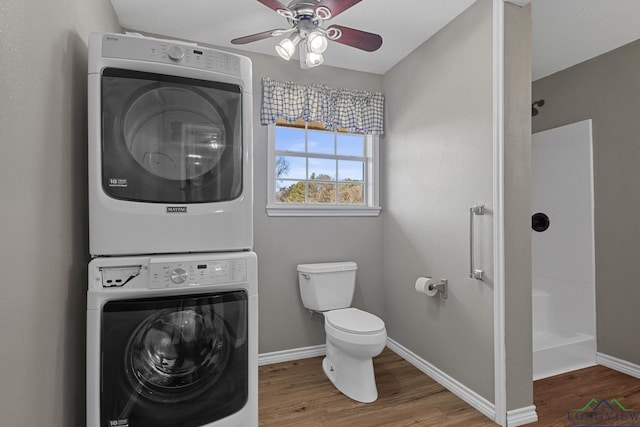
195 273
169 52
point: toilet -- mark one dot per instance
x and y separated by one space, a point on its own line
354 337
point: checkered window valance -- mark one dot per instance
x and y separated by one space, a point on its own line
357 111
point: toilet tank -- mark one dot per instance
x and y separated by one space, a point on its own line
327 286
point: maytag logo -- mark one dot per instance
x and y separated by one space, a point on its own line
176 209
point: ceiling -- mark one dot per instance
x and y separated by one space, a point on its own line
216 22
568 32
565 32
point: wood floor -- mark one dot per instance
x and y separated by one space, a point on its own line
298 394
555 397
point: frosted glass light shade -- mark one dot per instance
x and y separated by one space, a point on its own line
286 48
316 42
314 59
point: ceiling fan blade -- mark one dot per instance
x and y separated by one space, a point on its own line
328 9
354 38
259 36
277 6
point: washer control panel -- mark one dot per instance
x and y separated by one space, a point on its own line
195 273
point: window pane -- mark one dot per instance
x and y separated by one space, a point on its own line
352 194
289 139
291 167
322 193
322 169
314 166
320 142
290 191
350 145
350 171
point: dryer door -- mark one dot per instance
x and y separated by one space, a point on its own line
174 361
168 139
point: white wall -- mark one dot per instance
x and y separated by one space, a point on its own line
43 178
563 255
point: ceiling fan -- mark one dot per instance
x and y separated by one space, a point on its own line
305 18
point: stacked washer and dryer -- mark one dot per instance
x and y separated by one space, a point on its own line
172 300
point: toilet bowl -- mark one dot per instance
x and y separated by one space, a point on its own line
353 336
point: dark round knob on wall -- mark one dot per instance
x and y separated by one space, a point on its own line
539 222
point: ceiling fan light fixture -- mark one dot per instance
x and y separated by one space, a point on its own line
287 47
305 18
285 12
313 59
334 33
284 50
317 42
309 59
323 12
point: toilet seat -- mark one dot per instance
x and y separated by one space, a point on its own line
354 321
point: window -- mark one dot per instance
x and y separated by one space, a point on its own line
317 172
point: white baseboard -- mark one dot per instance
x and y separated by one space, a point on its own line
292 354
463 392
522 416
618 365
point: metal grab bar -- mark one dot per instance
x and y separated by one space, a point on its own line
474 273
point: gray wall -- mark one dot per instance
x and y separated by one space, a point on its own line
283 243
43 142
517 221
607 90
437 158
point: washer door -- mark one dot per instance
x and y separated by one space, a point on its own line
175 352
178 361
169 139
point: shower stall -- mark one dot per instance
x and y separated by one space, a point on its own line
563 265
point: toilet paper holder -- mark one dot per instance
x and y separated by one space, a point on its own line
441 287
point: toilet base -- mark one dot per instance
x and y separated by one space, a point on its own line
353 377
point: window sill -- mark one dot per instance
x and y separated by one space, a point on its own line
287 210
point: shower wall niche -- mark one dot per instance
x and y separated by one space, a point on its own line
563 266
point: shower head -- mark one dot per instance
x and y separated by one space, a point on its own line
534 110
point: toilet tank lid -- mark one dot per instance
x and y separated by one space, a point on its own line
327 267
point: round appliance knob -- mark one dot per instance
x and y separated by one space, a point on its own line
179 275
175 52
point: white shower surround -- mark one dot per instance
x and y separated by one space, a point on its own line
564 326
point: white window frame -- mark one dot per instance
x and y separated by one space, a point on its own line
371 206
